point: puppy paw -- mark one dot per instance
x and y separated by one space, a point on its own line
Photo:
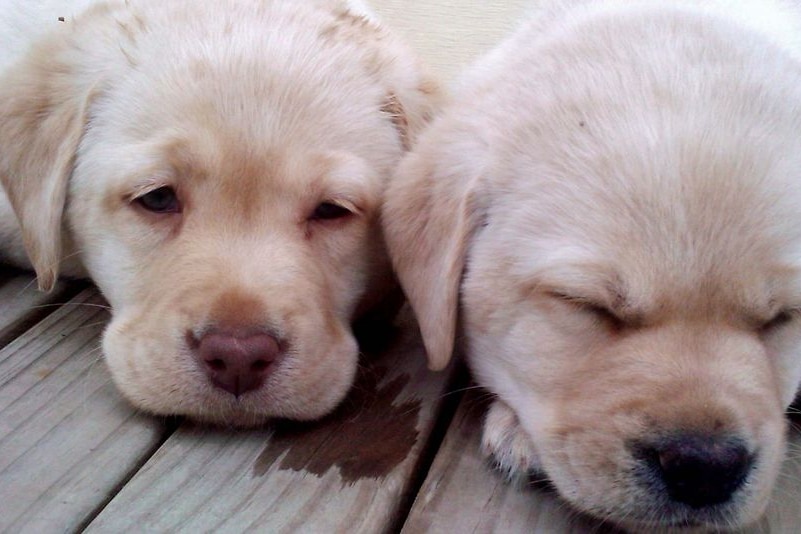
508 446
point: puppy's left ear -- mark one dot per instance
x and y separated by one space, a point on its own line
42 118
432 207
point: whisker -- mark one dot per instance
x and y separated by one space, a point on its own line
56 304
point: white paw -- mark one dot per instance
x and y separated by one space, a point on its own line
507 444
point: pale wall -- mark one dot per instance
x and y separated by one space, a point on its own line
448 34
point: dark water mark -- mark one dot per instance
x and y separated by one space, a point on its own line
366 437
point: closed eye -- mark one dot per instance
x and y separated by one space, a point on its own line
606 315
782 318
601 312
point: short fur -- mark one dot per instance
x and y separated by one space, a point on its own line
255 112
611 205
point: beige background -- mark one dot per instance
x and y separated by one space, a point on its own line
448 34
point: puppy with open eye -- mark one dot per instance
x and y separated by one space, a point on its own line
216 167
612 203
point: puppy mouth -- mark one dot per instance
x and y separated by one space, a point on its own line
664 517
237 362
684 481
669 520
654 514
250 398
672 526
216 407
227 418
659 514
680 517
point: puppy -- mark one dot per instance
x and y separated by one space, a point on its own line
216 167
612 202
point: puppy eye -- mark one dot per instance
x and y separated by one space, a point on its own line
327 211
602 313
605 315
161 200
778 320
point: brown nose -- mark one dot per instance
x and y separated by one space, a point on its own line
237 362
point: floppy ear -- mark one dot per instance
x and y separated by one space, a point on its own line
430 211
42 117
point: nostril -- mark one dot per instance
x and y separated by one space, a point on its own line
700 470
260 365
236 361
216 364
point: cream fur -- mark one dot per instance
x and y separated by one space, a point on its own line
612 203
256 112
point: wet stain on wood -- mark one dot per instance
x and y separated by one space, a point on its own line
366 437
43 373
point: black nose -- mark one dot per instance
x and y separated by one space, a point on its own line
700 470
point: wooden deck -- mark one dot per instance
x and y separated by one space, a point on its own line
400 455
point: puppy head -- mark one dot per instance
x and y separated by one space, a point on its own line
629 280
225 198
218 249
626 359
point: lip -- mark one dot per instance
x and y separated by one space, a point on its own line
685 521
230 413
658 514
688 525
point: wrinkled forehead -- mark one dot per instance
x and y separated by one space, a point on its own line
726 236
233 169
228 173
639 281
243 108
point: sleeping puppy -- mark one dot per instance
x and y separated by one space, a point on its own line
216 167
612 203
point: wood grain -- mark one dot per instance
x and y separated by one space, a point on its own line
22 304
463 494
349 473
68 439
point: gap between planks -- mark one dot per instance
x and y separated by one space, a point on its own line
68 438
22 305
351 472
462 493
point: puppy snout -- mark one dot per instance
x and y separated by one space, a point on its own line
237 362
698 470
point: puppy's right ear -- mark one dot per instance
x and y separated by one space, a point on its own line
42 117
430 211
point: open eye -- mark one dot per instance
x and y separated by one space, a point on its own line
326 211
161 200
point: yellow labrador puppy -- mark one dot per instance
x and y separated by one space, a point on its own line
613 203
216 167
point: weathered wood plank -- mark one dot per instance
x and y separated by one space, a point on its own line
348 473
68 439
22 305
463 494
